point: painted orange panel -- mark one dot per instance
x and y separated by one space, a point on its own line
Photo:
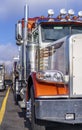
48 89
63 90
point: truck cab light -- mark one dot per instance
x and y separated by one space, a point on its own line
80 14
50 12
63 12
71 12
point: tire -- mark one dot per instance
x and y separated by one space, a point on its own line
33 124
16 96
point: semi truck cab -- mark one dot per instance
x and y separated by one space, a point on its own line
53 63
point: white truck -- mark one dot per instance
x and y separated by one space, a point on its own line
2 77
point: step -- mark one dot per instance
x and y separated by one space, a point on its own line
22 104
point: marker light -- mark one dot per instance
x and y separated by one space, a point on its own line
63 12
71 12
70 116
50 12
80 13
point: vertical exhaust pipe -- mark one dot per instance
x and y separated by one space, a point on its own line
25 13
25 38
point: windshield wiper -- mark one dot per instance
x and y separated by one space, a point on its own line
51 39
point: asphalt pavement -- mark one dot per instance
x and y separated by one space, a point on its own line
15 119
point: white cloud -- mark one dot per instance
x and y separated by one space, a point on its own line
7 53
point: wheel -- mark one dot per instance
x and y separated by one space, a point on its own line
33 124
16 96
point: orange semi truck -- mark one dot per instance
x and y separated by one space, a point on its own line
50 67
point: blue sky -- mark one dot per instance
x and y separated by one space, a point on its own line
12 10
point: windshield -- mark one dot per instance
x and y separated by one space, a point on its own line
54 32
76 29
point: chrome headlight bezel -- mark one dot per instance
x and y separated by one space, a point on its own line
50 76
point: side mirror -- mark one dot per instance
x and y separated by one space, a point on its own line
18 33
19 42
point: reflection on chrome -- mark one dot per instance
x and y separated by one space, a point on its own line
54 76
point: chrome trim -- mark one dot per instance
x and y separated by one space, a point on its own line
55 110
71 65
47 97
50 79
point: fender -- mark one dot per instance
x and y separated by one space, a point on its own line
42 88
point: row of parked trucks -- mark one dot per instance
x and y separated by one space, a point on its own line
47 74
2 77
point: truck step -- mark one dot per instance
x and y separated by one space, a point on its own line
21 104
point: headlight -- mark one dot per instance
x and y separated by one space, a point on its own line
53 76
58 77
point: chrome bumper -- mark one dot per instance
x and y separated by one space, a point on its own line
59 110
